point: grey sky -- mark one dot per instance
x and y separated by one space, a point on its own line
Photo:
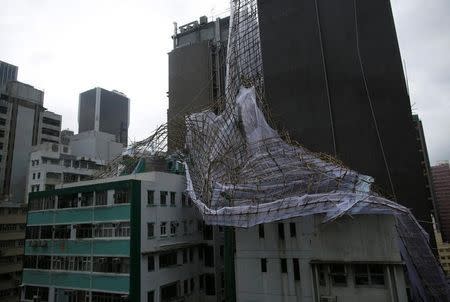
65 47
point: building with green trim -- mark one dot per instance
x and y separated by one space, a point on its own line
127 238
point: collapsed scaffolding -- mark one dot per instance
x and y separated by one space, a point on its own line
240 172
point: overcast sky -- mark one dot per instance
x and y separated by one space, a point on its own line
65 47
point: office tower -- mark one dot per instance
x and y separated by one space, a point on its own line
441 184
21 107
196 72
12 234
104 111
128 238
50 127
8 73
334 80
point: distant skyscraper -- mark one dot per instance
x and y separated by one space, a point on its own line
21 110
8 73
441 184
196 71
105 111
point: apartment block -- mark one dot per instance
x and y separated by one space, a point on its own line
353 259
12 235
127 238
49 127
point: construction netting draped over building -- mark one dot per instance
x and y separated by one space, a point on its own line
240 172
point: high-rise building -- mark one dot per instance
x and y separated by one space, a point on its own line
21 108
12 237
441 184
334 80
196 71
104 111
128 238
49 127
8 73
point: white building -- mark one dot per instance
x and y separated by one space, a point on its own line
352 259
49 127
128 238
95 144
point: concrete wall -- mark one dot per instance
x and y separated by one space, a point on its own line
94 144
361 239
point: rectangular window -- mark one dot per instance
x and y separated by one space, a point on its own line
172 198
163 229
283 265
201 281
296 269
151 296
151 263
150 197
169 292
376 274
101 198
163 198
185 256
183 199
210 285
338 274
39 175
3 109
150 230
173 228
2 122
192 284
186 287
121 196
191 254
292 229
168 259
261 230
264 265
281 231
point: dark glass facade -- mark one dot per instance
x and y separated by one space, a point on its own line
8 73
334 79
109 108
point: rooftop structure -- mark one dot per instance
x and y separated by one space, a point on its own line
8 72
50 127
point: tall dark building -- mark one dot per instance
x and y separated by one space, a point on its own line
334 79
8 73
196 71
441 183
104 111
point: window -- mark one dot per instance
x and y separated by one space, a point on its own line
34 175
123 229
185 286
185 228
338 274
119 265
376 272
101 198
322 274
168 259
163 229
104 230
162 198
283 265
2 122
3 109
121 196
183 199
296 269
264 265
292 229
151 296
62 231
39 175
191 254
209 256
281 231
192 284
150 197
173 228
169 292
201 281
2 133
150 230
210 285
261 230
172 198
151 263
184 256
84 231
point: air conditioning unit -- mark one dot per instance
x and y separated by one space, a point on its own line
328 299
